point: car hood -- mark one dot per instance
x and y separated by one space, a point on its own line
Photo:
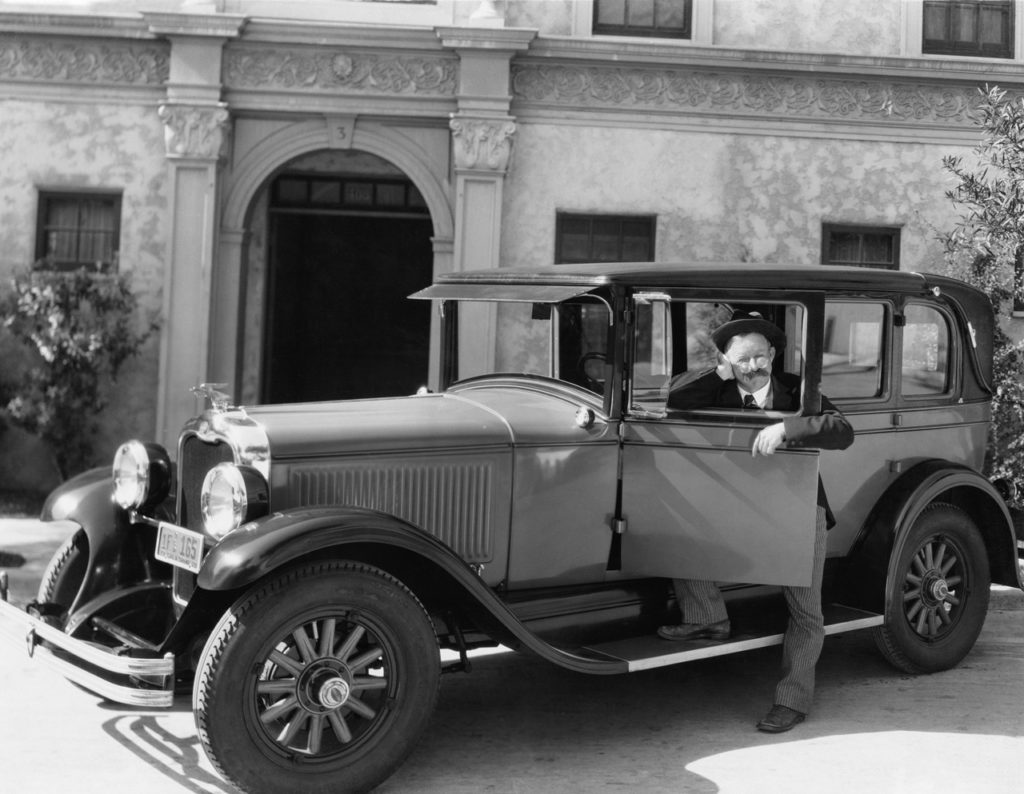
421 422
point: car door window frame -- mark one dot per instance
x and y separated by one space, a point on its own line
812 303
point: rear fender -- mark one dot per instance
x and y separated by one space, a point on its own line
434 573
867 572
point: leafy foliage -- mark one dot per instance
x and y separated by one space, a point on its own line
986 249
76 330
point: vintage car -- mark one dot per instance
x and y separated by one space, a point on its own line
310 570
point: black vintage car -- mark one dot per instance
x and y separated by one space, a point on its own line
300 568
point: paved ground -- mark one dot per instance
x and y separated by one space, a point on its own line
520 726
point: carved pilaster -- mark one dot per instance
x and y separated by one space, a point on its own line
482 144
195 131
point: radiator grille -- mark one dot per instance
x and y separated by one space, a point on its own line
452 502
197 458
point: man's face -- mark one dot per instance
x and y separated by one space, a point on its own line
751 357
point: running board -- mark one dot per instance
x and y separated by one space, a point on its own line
649 652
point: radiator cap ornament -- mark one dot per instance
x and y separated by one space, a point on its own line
219 400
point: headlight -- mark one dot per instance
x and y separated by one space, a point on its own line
142 475
231 496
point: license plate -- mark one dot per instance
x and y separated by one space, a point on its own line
181 547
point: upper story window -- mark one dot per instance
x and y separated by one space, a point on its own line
78 230
604 238
863 246
972 29
661 18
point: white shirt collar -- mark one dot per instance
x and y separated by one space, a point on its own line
760 396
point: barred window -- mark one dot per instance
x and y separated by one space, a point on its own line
604 238
78 230
862 246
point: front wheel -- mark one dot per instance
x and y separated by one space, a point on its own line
321 679
939 595
65 573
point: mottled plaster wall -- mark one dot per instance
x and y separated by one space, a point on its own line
855 27
723 196
549 17
83 146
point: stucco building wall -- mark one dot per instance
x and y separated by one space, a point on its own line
775 117
73 145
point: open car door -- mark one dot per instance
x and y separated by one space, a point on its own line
696 503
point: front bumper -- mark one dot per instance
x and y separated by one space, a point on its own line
116 676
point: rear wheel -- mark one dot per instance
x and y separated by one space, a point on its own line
321 679
939 595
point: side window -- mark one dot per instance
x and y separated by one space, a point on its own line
674 349
925 368
567 341
852 356
582 344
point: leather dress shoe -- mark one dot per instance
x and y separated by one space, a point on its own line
696 631
780 719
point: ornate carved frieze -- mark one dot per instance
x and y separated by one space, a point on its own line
194 130
332 70
482 143
112 62
695 91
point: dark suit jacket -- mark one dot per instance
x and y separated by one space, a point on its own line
827 430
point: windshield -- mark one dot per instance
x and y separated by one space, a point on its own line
566 341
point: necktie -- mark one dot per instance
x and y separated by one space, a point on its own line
748 401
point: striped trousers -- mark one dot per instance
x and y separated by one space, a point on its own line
701 602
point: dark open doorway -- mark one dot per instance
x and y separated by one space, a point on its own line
344 254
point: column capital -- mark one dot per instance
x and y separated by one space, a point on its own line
482 144
223 26
194 131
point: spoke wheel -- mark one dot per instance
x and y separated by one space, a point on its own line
322 679
65 572
939 596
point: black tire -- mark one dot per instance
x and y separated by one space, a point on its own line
939 595
64 574
322 679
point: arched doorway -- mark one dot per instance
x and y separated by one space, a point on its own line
348 239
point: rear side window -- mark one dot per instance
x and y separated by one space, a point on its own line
853 351
926 337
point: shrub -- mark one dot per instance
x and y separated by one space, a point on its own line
986 249
76 330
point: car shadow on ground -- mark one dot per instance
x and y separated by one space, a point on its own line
518 725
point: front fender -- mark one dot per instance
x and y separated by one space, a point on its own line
84 499
869 566
261 547
118 551
422 562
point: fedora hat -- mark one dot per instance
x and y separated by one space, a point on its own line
748 323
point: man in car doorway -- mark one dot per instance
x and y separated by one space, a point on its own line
744 379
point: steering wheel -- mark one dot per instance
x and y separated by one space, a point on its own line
591 367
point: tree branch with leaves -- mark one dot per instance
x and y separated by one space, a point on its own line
986 249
